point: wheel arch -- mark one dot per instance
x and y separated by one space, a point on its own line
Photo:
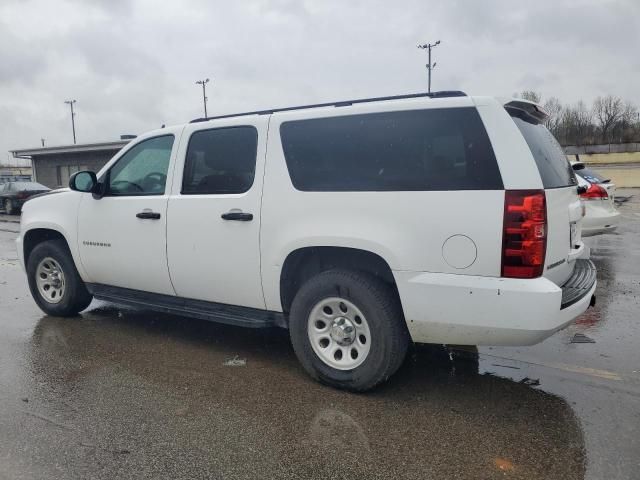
303 263
34 236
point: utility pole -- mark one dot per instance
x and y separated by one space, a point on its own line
204 93
42 140
430 66
73 120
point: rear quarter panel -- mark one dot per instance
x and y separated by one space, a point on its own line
407 229
520 172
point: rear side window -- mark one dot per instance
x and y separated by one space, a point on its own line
415 150
555 170
220 161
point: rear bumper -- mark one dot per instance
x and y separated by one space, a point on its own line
599 219
471 310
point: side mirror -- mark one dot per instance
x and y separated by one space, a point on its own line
84 181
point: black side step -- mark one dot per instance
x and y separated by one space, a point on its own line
215 312
579 283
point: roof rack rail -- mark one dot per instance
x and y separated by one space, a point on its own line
342 103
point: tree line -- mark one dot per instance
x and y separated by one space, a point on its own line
609 119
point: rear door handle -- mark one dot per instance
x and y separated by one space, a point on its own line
239 216
148 215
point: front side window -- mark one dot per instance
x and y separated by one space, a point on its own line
220 161
413 150
142 170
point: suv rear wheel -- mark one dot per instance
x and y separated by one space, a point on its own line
54 281
347 329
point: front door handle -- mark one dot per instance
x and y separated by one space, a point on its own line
239 216
148 215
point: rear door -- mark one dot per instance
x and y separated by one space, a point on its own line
564 210
213 229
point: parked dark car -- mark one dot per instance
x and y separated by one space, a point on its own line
14 194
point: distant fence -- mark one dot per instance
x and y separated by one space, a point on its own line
608 148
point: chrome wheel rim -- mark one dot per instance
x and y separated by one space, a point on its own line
339 333
50 280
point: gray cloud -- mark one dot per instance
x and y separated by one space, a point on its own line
132 64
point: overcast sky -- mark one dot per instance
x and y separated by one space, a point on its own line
132 64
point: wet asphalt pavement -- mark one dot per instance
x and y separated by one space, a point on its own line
120 393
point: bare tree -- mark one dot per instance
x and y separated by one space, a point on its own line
553 107
531 96
630 112
610 120
626 129
583 118
608 110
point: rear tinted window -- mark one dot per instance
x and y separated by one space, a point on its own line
435 149
555 170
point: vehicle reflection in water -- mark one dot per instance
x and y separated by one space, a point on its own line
160 390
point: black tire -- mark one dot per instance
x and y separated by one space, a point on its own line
76 297
381 308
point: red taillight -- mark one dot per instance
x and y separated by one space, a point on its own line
524 236
595 192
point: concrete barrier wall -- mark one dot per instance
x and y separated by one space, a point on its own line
618 162
622 177
606 148
608 158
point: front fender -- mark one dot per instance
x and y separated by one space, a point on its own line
58 213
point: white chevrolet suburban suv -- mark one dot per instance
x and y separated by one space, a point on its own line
360 226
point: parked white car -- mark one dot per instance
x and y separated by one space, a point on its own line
601 215
360 226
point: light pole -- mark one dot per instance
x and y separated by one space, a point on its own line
204 93
73 121
430 66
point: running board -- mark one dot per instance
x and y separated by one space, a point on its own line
214 312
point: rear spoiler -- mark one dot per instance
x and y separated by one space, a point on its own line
527 108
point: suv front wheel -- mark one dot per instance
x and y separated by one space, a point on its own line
347 329
54 281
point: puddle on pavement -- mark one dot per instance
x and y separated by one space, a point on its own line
122 380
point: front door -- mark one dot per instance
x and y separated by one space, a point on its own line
214 212
122 236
